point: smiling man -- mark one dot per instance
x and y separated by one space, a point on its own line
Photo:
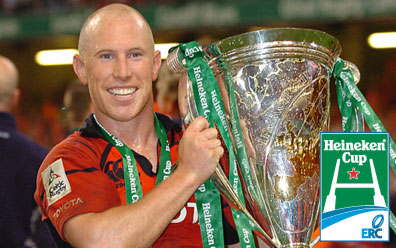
109 184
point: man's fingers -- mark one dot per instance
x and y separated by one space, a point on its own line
213 143
199 124
210 133
205 137
219 151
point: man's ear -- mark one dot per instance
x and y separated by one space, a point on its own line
156 64
79 69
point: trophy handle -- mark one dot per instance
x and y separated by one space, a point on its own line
314 241
358 120
354 69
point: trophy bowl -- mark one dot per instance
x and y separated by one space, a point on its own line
278 82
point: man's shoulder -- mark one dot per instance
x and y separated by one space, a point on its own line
75 153
77 144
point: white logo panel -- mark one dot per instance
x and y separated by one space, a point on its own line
55 182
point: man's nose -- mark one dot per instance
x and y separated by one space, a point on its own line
122 70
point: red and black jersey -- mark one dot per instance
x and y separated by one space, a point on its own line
84 173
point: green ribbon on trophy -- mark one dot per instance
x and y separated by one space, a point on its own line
240 145
209 104
351 101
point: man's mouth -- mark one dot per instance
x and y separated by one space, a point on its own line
122 91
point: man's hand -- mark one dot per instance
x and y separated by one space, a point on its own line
199 150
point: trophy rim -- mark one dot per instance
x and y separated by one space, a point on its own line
281 41
305 35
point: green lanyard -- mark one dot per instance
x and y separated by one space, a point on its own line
133 188
209 104
349 100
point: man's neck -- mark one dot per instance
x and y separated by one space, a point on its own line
138 134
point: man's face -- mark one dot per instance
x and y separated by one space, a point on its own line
119 66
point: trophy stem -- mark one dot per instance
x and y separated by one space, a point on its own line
296 246
222 183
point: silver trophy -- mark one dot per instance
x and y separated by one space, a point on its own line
280 84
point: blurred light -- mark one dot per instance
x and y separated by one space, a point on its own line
55 57
382 40
256 28
164 47
65 56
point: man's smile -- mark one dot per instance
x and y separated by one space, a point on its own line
122 91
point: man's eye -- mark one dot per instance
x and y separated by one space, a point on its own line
106 56
134 54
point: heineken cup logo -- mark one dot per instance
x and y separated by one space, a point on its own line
348 147
354 187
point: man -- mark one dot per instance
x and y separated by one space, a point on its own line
83 182
20 160
78 106
166 97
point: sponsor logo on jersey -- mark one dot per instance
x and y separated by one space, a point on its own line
69 204
55 182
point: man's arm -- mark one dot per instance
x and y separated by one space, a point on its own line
140 224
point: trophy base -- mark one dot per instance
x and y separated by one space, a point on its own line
296 245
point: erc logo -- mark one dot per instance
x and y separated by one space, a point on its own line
376 231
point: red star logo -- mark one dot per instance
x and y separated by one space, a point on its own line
353 173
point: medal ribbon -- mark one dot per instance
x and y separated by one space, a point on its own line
351 101
133 188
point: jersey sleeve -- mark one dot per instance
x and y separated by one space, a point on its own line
70 182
